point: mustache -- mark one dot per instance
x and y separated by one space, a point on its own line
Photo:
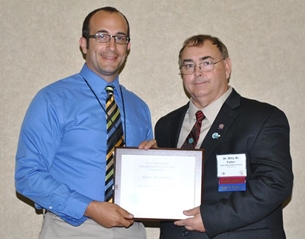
199 79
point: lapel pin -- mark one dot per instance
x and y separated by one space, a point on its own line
215 135
191 140
221 126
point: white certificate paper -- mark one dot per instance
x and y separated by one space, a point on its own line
158 184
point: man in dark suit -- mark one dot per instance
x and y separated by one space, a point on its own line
256 133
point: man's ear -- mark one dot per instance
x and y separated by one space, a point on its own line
83 45
228 66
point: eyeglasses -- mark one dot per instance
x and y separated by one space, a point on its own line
205 66
104 38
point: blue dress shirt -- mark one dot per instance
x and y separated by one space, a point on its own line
60 160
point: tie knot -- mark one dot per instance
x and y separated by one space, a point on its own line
109 89
199 116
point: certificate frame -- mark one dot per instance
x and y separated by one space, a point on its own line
158 184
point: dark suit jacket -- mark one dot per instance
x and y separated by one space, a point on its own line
260 131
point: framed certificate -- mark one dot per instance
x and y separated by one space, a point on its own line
158 184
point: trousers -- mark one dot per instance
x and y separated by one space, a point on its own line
55 228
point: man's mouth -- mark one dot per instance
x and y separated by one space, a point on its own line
111 58
200 82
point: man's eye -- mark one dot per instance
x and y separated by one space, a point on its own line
121 38
101 36
206 63
189 66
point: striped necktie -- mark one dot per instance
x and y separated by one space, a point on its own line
193 137
115 138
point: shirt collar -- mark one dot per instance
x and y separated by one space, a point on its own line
210 111
97 83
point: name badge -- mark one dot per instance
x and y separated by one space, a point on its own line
231 172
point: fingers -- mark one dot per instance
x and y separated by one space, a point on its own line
121 217
125 214
189 224
191 212
184 222
129 216
109 215
124 223
194 223
148 144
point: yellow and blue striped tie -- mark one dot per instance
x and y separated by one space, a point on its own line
115 138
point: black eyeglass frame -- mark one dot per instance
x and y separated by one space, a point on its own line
116 37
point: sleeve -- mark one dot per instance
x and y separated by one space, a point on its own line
137 120
269 183
150 135
39 139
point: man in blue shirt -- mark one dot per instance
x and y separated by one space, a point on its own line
61 155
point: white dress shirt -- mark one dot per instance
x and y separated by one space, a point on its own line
210 113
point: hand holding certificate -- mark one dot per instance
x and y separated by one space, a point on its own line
158 183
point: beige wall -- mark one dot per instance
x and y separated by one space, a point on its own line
39 44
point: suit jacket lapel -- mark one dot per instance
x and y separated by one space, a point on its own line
176 124
222 123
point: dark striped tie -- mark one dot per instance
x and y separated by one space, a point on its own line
115 138
193 137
